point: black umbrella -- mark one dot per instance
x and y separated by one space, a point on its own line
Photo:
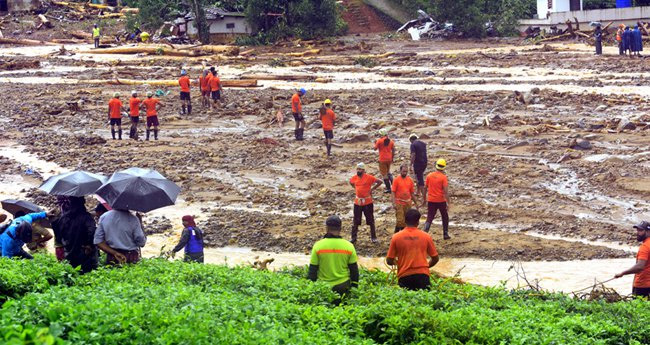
14 206
138 190
74 183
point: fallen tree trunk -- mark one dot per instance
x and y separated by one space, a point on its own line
291 77
305 53
26 42
159 50
568 34
218 49
224 83
130 10
111 15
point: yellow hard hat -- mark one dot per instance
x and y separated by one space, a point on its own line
327 101
441 164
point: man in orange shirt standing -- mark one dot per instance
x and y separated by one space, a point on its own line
296 109
115 114
403 196
437 196
134 114
363 186
641 269
215 88
328 118
184 82
410 247
386 148
152 105
204 82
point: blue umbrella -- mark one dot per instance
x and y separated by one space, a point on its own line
74 183
138 189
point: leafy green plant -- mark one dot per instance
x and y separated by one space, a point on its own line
365 61
160 302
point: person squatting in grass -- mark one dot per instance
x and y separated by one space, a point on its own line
409 249
334 260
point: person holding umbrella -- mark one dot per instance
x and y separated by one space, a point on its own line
76 231
119 234
191 240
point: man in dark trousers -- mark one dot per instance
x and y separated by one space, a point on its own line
437 197
409 249
418 161
363 187
598 35
641 269
627 40
334 260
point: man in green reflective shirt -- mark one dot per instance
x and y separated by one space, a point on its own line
334 260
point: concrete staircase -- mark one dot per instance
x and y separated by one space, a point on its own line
361 18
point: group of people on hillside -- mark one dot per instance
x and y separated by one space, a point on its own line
210 85
78 235
630 41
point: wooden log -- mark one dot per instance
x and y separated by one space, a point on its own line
305 53
564 35
151 50
130 10
44 21
217 49
101 7
111 15
26 42
292 77
579 33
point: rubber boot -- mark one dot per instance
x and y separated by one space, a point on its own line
446 236
329 149
155 134
183 111
390 177
148 131
301 131
427 226
131 133
119 133
295 133
387 183
353 237
113 133
189 109
373 234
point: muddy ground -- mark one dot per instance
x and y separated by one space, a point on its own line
556 172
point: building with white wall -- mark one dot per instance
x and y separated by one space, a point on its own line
546 7
224 25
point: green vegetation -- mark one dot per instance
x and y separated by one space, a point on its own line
365 61
160 302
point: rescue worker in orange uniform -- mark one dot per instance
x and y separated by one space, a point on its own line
328 118
115 108
363 185
436 187
184 83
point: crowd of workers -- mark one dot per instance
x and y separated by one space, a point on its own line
630 40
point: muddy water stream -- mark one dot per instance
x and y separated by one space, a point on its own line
557 276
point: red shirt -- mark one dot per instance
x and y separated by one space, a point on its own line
642 279
205 82
134 106
215 83
362 187
403 187
385 151
115 108
296 105
435 183
328 120
184 82
150 105
411 247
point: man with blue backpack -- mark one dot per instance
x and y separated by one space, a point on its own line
17 234
191 240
